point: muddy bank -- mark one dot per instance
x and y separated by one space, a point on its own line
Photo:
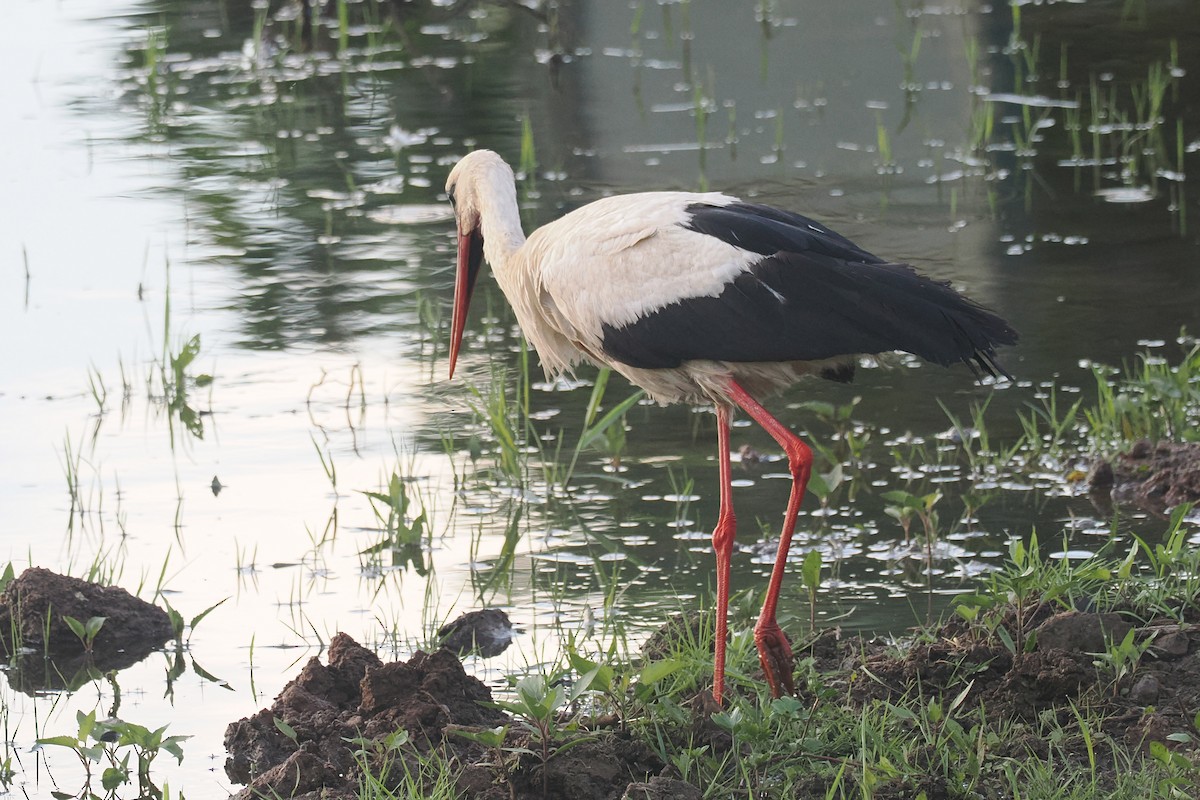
1155 477
337 718
48 654
1065 666
1017 693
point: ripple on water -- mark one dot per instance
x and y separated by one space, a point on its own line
1126 194
411 214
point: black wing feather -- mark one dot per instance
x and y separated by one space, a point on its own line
815 295
767 230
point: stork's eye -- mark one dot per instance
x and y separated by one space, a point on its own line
450 194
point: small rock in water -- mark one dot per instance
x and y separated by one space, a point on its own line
748 455
487 632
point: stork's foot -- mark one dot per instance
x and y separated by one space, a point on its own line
775 655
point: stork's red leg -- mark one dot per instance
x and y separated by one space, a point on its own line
773 649
722 539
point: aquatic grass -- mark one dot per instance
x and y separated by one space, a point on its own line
343 28
71 460
107 565
777 150
402 511
926 736
1122 658
606 432
501 570
170 379
1134 11
909 49
28 276
883 144
1074 126
327 465
430 313
824 485
702 106
493 409
154 79
1178 194
1127 119
108 745
1149 400
98 390
810 574
1173 588
1153 400
245 559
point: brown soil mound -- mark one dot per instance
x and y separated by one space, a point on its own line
356 703
49 655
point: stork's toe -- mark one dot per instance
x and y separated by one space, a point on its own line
775 655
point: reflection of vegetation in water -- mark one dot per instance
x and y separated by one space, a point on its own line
1122 127
280 131
1040 108
404 532
174 383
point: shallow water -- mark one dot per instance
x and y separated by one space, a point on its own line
192 169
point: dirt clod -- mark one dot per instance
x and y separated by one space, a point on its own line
1081 632
357 703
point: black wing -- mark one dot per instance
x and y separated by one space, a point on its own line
815 295
767 230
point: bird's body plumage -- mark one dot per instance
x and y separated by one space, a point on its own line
700 297
673 288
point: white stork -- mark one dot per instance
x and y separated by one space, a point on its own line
702 298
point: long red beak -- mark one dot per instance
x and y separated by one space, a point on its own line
470 258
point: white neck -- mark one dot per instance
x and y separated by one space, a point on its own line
501 221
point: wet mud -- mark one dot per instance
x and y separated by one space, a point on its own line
1152 476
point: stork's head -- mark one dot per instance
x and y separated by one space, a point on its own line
471 186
